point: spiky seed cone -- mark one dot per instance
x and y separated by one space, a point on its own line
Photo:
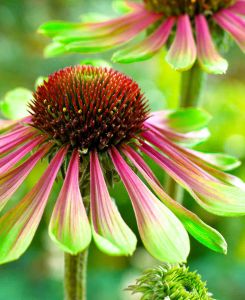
191 7
89 108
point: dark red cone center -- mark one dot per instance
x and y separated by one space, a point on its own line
190 7
89 108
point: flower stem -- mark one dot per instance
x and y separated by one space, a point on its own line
191 86
190 91
75 276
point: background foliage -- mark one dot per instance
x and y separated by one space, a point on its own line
38 274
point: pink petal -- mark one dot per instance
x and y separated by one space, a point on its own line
188 157
110 232
203 161
207 54
135 157
69 226
13 139
98 30
195 226
214 196
148 47
238 7
134 5
109 26
6 124
172 151
161 232
158 122
13 134
233 24
109 40
10 182
182 53
18 225
8 161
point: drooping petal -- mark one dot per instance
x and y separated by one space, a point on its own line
185 126
13 139
8 161
99 36
169 149
13 134
185 139
135 5
221 161
205 234
188 156
238 7
182 53
11 181
162 233
18 225
207 54
233 24
110 232
69 226
89 30
111 40
214 196
6 124
221 176
210 162
181 120
93 31
148 47
54 49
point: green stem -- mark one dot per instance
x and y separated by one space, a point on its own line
191 86
174 190
75 276
190 91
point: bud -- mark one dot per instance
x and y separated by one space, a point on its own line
170 281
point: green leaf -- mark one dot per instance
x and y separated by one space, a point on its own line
14 104
186 120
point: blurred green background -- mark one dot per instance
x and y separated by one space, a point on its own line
38 274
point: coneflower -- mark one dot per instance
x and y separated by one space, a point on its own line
193 29
93 125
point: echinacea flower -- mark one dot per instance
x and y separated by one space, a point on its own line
193 29
93 125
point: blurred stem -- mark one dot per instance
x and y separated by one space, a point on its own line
192 82
191 86
75 276
174 190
